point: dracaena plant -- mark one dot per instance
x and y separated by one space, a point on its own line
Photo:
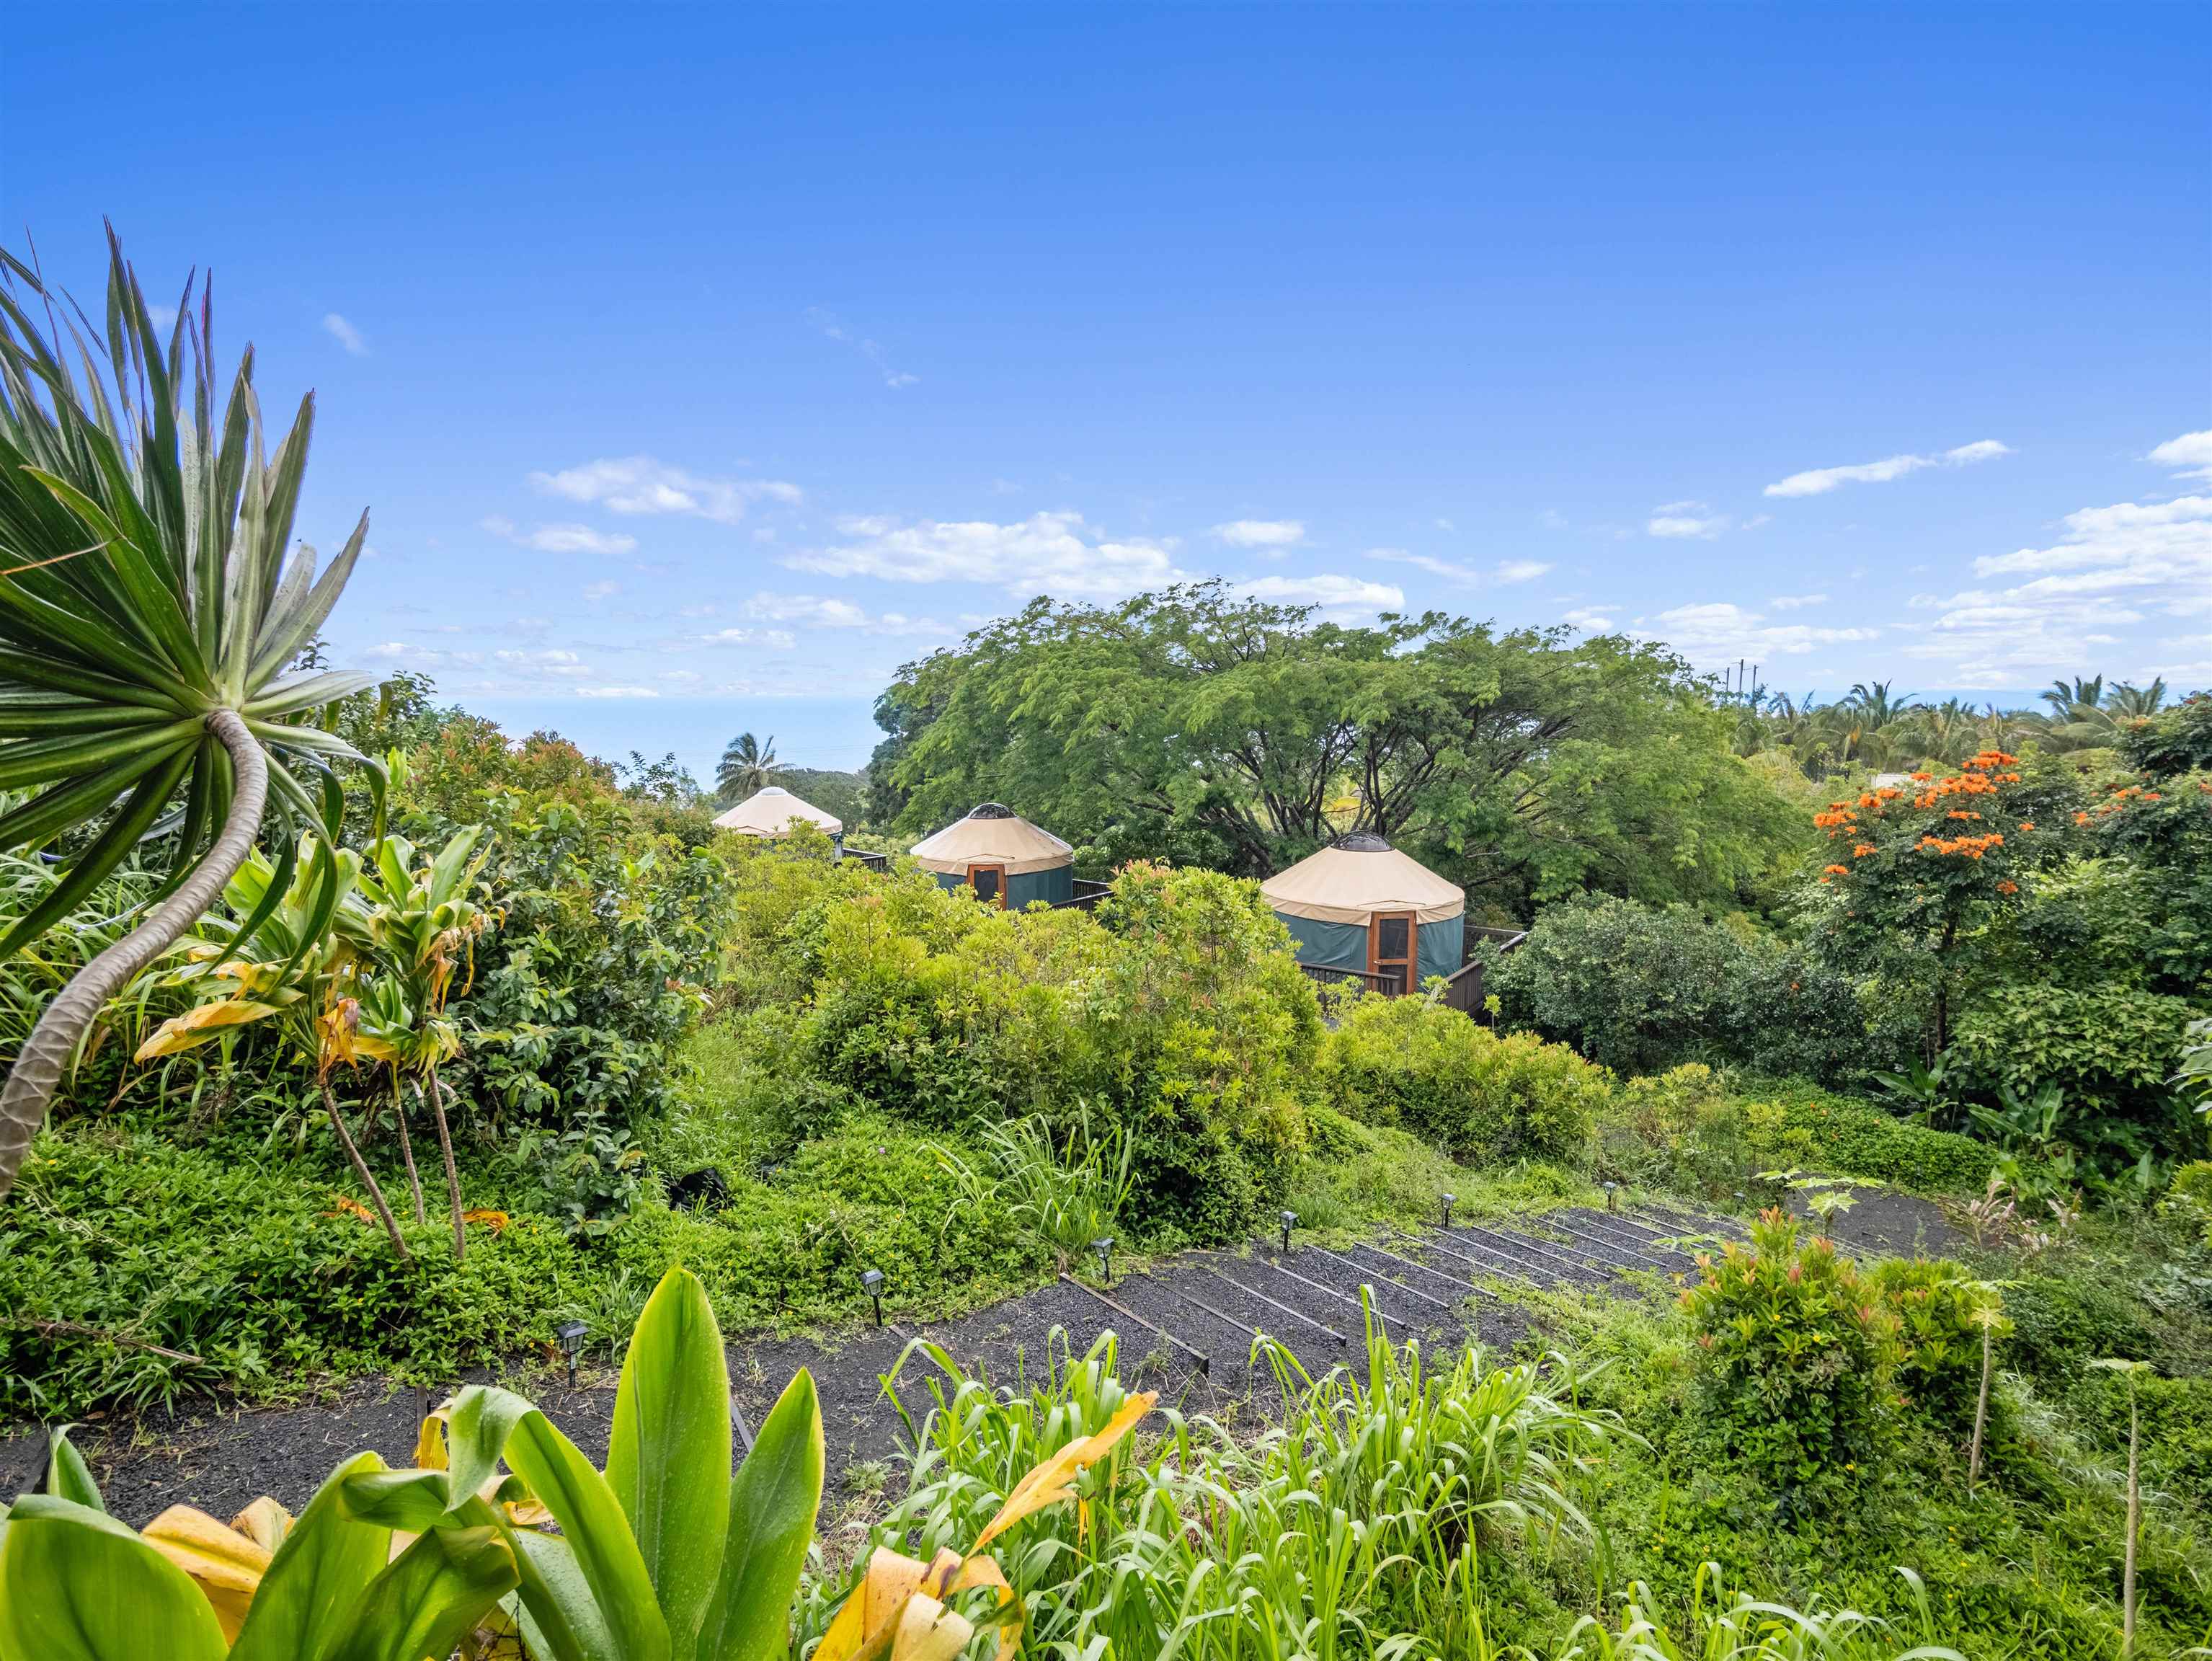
285 961
148 618
418 918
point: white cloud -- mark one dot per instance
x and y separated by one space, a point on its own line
1588 617
601 590
1796 602
1685 519
552 660
2114 569
345 334
1272 535
837 331
1330 592
639 484
616 692
1446 524
1721 632
817 612
560 538
1466 577
781 640
1054 553
2190 455
1820 480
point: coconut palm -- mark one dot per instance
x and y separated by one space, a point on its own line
1871 703
148 615
2128 702
747 765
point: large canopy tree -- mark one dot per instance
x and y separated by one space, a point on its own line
148 619
1204 726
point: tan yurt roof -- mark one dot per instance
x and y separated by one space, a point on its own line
770 811
991 835
1352 879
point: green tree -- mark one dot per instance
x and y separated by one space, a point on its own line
148 617
1205 727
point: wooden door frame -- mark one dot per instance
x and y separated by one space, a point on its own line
1412 958
998 866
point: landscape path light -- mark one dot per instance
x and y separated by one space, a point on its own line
1290 1222
1612 1197
571 1335
1450 1200
872 1283
1103 1246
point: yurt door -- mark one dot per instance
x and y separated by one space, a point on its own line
1390 937
989 882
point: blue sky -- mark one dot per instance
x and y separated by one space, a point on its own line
700 365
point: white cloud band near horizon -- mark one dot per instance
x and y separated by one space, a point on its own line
642 484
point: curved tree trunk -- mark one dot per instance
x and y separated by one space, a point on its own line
37 1070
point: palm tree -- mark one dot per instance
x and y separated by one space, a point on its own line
147 618
2128 701
747 765
1871 703
2065 698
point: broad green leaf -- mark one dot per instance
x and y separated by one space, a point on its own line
67 1475
773 1504
559 1617
597 1532
317 1575
409 1501
77 1585
668 1462
433 1594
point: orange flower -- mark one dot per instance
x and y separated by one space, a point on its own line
1836 870
1862 851
2008 887
2028 825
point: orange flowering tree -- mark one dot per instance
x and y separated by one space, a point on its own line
1917 872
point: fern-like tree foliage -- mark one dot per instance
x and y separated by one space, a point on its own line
148 617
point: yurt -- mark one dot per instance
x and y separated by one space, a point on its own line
772 811
1359 904
1002 857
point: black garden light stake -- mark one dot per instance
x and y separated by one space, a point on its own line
1612 1193
571 1335
1290 1222
1103 1246
872 1282
1450 1200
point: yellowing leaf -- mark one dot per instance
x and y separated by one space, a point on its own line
1048 1483
266 1523
866 1626
197 1027
224 1563
927 1631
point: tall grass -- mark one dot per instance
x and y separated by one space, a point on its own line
1067 1195
1341 1531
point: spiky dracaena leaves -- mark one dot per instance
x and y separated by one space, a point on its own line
148 613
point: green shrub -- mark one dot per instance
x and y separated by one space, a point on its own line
2189 1197
1858 1139
1635 987
1797 1351
1937 1308
1409 1062
2111 1049
2060 1322
1177 1010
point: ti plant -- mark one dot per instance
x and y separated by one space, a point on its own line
309 987
1826 1197
148 617
419 920
76 1585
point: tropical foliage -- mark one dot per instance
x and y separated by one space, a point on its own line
148 615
